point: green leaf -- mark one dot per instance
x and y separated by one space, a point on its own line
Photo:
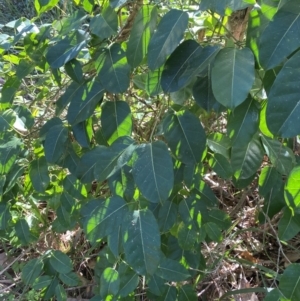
106 24
220 144
31 271
117 3
289 225
9 90
23 232
42 282
292 189
7 120
122 183
187 236
83 101
114 241
243 122
5 216
55 143
86 165
60 262
220 7
274 295
220 218
278 39
186 293
149 82
8 154
269 179
80 134
171 270
60 293
42 6
213 232
70 279
109 282
185 136
153 171
167 215
221 166
116 120
246 159
65 50
283 107
50 291
168 295
113 70
156 285
141 241
232 76
281 156
74 70
188 60
167 36
203 94
289 284
141 32
128 282
102 217
113 158
39 176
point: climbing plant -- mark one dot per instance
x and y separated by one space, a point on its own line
112 117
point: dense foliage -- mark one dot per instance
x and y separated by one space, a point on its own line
112 120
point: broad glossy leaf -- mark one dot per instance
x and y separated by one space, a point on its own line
206 194
7 119
243 122
39 175
113 158
9 90
5 216
128 282
113 70
8 154
109 282
141 241
114 241
186 293
279 39
246 159
32 270
187 236
221 166
167 36
86 164
283 108
220 218
269 180
188 60
289 284
213 232
220 7
232 76
185 136
292 189
203 95
172 270
106 24
156 285
289 225
23 232
102 217
263 122
116 120
274 295
167 215
149 82
83 105
80 134
65 50
141 32
60 293
61 262
50 290
49 125
54 146
281 156
70 279
153 171
190 211
220 144
74 70
117 3
42 282
44 5
168 295
122 183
